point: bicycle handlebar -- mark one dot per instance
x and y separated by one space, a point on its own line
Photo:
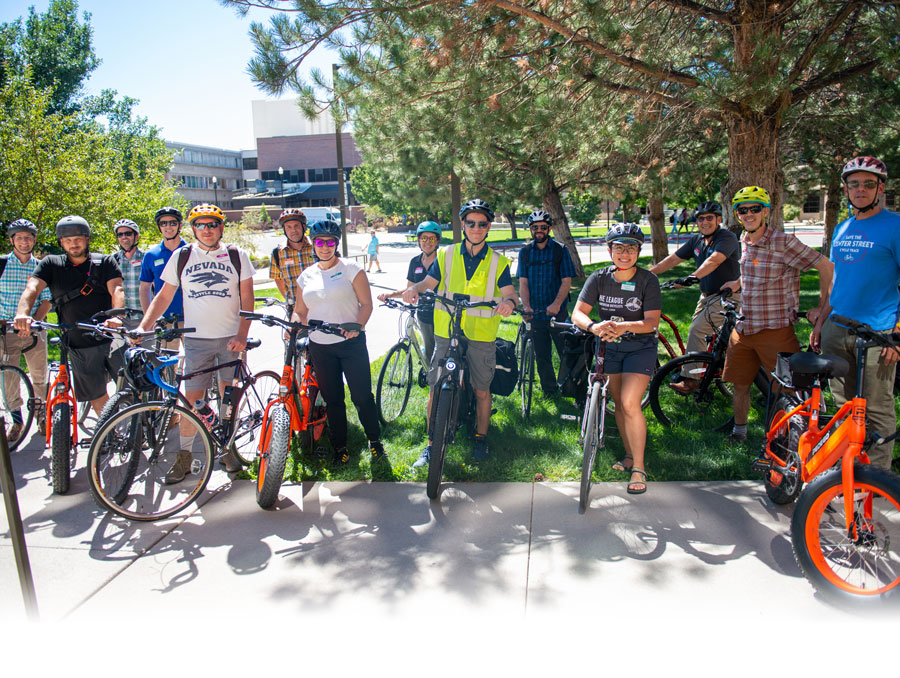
312 326
865 332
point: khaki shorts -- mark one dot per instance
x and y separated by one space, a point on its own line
200 354
481 357
747 352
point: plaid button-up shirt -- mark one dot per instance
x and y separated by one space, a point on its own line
770 280
131 276
12 285
291 263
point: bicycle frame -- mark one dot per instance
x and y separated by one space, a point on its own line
61 391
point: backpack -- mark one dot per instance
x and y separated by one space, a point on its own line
574 364
185 253
506 373
276 258
3 263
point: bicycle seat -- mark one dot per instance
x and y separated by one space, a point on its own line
825 364
253 343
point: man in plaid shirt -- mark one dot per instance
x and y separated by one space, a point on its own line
290 260
130 257
19 265
770 277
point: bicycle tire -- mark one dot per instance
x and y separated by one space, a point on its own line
526 378
61 447
589 447
274 460
250 403
842 570
26 393
779 489
440 438
394 383
135 450
710 407
117 401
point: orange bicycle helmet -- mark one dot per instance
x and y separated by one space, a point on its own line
205 210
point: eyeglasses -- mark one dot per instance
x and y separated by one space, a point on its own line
428 238
540 227
706 217
168 223
206 225
868 184
124 234
476 224
625 249
324 242
753 209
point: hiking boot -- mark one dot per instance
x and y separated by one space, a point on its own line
230 461
424 458
480 451
736 438
14 432
341 457
377 449
684 387
180 468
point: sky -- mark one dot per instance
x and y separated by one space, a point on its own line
184 60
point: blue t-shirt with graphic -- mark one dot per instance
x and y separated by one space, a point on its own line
866 257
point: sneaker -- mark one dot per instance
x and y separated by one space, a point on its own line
424 458
480 451
684 386
377 449
736 438
180 468
230 461
14 432
341 456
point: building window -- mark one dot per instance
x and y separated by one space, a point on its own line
812 204
250 163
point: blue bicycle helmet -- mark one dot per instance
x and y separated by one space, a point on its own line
476 205
626 233
428 227
324 227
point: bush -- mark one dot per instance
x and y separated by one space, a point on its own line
790 212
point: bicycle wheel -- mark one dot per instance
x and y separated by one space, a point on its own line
440 438
709 407
14 380
61 447
141 468
780 488
861 567
394 383
526 376
117 401
589 447
274 458
247 413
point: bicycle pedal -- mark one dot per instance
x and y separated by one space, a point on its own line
761 465
84 442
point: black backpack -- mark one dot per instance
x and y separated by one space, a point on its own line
506 373
3 263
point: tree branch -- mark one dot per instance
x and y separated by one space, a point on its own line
817 39
825 79
697 9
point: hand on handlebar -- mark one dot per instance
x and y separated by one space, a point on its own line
22 324
505 308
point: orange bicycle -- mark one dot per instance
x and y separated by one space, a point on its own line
845 529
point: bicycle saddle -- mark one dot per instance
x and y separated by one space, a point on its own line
253 343
825 364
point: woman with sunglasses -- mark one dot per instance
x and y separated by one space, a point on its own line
428 235
628 304
335 290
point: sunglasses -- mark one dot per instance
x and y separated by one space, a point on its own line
707 217
868 184
753 209
476 224
207 225
125 234
168 223
428 238
324 242
540 227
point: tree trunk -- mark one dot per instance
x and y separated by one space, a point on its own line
624 206
455 205
553 204
511 218
753 161
833 196
658 232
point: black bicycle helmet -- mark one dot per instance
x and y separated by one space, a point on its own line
539 215
21 226
325 227
167 212
709 207
476 205
626 233
138 367
72 225
127 223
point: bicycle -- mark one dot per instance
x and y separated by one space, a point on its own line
298 407
526 360
845 530
16 379
133 457
395 378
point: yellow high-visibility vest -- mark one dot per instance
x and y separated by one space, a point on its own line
478 324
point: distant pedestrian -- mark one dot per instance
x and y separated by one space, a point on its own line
372 251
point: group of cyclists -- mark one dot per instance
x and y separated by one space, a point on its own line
209 282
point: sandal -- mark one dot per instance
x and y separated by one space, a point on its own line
637 486
620 465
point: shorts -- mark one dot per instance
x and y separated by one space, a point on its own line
747 352
631 356
200 354
93 367
481 357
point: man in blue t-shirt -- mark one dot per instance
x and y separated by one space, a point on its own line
545 273
168 221
865 250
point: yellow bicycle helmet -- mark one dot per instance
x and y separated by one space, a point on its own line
751 194
205 210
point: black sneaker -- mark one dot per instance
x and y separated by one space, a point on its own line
480 450
377 449
341 457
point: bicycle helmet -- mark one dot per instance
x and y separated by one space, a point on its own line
751 194
539 215
292 213
325 227
709 207
428 227
138 367
865 163
21 226
167 212
206 210
128 223
476 205
72 225
625 233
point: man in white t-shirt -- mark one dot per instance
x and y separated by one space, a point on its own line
217 283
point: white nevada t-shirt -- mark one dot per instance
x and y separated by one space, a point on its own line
210 288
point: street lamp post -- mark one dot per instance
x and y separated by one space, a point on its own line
215 190
281 183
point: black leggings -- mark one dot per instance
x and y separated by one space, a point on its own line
334 362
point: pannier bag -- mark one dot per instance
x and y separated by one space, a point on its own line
506 374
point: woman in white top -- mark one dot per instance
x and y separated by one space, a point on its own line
337 291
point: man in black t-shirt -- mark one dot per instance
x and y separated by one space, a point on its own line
717 260
81 284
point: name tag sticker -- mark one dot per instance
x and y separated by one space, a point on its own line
221 256
337 275
158 262
420 270
136 263
628 286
